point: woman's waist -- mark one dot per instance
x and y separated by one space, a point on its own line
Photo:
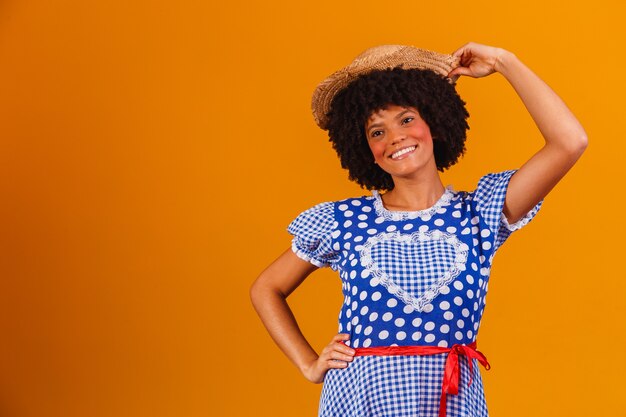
416 350
380 336
372 328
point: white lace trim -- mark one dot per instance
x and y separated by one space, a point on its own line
381 211
418 303
306 257
521 222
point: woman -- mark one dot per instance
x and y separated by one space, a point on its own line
414 261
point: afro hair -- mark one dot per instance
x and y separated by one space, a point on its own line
435 98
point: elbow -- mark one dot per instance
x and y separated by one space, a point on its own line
583 141
256 293
260 292
580 144
577 144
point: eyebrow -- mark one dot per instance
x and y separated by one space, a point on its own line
398 116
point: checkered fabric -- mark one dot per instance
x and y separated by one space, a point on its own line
489 196
415 278
399 386
312 231
415 268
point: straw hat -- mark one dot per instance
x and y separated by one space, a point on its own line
377 58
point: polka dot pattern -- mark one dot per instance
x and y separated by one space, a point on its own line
410 278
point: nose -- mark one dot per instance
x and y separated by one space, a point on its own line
396 136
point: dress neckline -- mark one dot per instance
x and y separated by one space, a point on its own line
396 215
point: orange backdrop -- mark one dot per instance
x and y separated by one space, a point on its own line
152 154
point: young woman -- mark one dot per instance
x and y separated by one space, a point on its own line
415 260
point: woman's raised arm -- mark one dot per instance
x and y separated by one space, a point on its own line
565 138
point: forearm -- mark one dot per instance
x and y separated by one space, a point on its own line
278 319
555 121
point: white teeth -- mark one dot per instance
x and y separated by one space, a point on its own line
402 152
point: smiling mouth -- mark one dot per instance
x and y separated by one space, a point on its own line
401 152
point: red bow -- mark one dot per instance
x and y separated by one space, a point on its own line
451 375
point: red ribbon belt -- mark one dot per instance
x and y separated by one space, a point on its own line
450 383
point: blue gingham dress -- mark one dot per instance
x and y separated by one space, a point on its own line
408 278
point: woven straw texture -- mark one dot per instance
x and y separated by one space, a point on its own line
377 58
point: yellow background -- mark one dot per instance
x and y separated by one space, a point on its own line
153 152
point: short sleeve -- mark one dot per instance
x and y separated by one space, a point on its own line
312 234
489 197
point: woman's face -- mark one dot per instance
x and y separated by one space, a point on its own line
400 141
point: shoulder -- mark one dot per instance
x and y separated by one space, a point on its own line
489 187
315 229
487 198
493 182
354 204
323 215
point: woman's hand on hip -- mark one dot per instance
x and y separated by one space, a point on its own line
335 355
476 60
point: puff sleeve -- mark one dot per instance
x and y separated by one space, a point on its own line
489 199
313 232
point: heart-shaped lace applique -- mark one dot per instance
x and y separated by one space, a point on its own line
414 267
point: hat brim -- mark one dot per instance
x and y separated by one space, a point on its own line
378 58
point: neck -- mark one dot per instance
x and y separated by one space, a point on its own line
413 194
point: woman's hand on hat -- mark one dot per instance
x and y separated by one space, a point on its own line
335 355
476 60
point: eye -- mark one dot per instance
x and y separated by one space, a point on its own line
376 133
407 120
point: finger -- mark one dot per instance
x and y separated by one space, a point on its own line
453 78
335 348
341 336
336 364
341 356
341 348
459 52
460 71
